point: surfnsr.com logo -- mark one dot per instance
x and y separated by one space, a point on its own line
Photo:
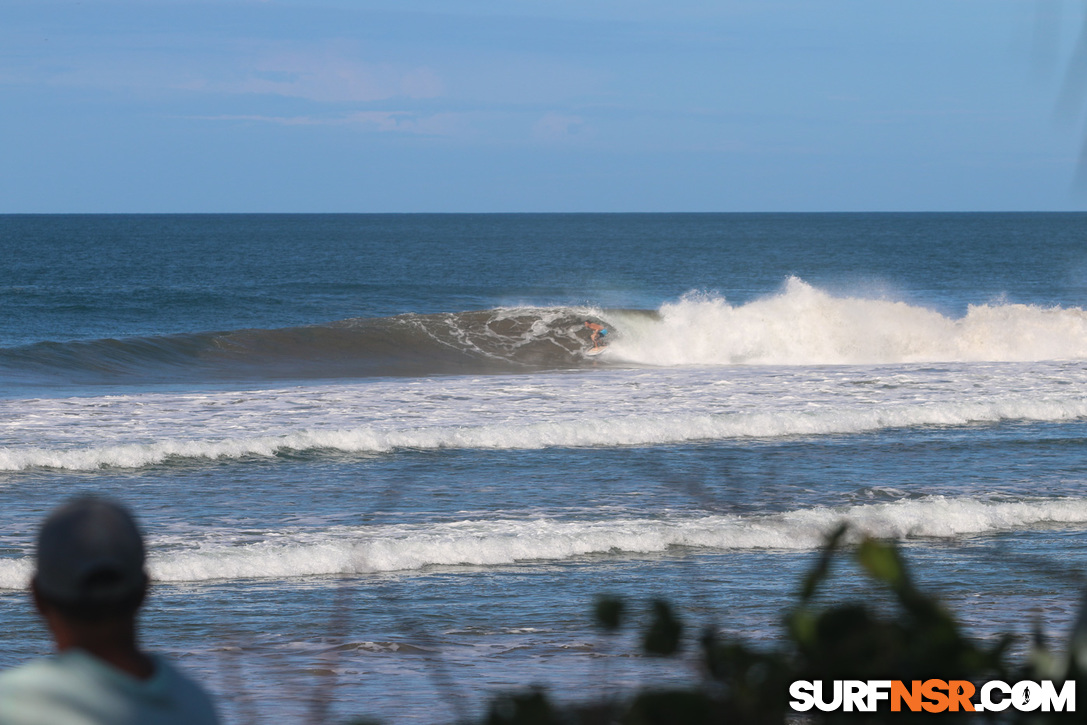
931 696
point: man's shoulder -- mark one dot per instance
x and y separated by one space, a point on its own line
42 671
45 690
77 688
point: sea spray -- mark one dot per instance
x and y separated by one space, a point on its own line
803 325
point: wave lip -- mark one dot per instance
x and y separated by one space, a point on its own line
490 543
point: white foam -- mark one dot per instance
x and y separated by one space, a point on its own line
362 550
15 573
628 430
601 407
803 325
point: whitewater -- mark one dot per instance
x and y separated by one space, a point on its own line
629 407
803 325
481 543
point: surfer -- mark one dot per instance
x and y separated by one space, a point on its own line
599 331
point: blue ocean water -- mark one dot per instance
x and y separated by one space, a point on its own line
380 476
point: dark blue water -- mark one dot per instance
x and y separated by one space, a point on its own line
86 277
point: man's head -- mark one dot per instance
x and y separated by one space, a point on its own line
90 560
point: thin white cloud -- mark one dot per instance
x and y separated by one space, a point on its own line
439 124
330 77
334 71
558 127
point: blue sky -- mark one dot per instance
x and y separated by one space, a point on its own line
526 105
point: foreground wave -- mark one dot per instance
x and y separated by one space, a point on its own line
365 550
799 325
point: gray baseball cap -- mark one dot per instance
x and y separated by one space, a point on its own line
90 553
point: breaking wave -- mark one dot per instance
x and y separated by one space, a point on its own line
799 325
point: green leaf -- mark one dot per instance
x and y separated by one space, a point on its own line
662 637
882 562
822 567
608 612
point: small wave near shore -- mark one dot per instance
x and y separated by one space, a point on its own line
630 430
225 555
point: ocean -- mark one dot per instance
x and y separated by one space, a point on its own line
380 477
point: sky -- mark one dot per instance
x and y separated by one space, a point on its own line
540 105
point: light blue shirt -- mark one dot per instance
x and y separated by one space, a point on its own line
76 688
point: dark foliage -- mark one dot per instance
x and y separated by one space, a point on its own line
917 639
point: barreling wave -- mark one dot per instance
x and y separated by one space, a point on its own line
498 340
504 542
627 430
799 325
